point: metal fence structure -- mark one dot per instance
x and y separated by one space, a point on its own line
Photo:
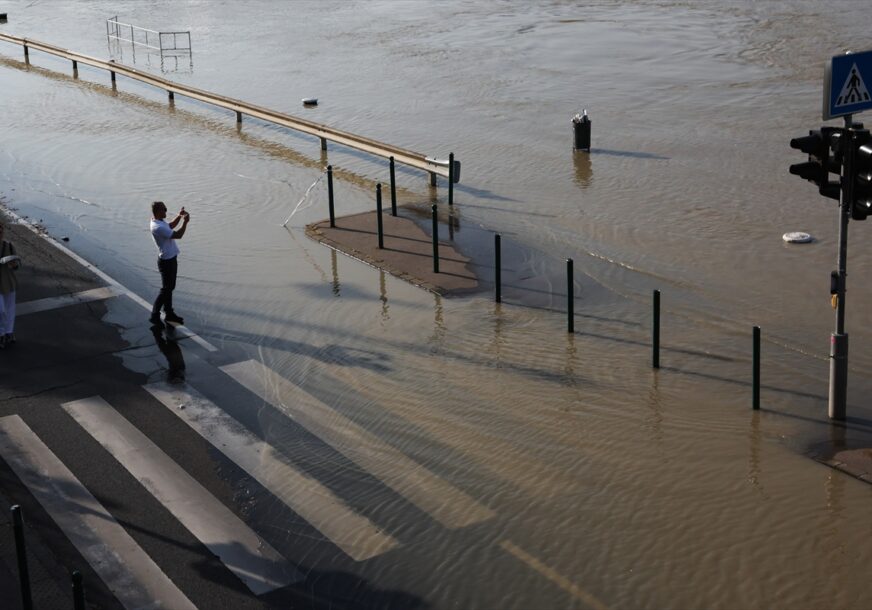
166 44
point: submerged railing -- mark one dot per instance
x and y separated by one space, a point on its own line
166 42
430 165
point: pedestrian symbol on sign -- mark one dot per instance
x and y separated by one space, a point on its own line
854 90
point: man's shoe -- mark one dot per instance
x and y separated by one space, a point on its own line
172 318
155 321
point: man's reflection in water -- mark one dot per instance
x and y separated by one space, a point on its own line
169 347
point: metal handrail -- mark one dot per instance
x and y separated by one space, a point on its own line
413 159
132 39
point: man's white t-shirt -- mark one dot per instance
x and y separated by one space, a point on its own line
163 239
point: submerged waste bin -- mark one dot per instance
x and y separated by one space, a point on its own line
581 128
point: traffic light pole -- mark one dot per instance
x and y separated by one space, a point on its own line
839 339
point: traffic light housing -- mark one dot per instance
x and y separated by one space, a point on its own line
820 162
861 197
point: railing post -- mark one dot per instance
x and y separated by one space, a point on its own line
172 95
323 143
75 67
498 297
78 591
570 297
378 213
238 117
755 394
330 195
450 178
23 572
393 189
655 332
435 242
26 53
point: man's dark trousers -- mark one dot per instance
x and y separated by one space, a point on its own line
168 268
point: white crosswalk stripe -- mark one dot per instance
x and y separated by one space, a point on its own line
249 557
65 300
129 573
354 534
450 506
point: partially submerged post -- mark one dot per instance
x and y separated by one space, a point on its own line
393 189
378 213
498 297
655 332
755 394
570 297
330 195
581 131
435 241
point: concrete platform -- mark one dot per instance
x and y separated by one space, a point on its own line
407 252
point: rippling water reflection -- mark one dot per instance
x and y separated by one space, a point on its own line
612 485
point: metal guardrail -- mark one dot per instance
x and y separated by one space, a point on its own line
413 159
167 42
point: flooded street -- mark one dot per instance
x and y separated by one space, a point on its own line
564 472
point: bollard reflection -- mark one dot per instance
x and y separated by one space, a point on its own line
169 347
383 297
583 168
438 323
334 266
754 451
654 421
498 341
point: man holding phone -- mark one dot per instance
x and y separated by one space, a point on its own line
165 235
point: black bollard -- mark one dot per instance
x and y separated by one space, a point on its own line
378 213
78 591
23 572
238 117
26 53
581 131
171 95
435 242
330 195
755 398
498 297
393 190
570 297
451 179
655 332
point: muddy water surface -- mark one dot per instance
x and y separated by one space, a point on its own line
611 485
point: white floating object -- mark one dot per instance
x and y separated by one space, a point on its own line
797 237
310 101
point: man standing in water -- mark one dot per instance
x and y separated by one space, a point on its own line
165 237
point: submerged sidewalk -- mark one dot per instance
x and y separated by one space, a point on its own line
407 252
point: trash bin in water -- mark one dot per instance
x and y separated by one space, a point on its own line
581 129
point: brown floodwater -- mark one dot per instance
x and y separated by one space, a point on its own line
600 482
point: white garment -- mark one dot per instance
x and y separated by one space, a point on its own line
162 233
7 313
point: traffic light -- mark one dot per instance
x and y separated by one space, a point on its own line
861 199
820 162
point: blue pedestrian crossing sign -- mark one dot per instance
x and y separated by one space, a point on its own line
847 82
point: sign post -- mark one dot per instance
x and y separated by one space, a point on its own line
845 92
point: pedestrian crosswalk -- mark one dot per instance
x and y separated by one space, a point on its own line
450 506
120 562
353 533
252 559
127 569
